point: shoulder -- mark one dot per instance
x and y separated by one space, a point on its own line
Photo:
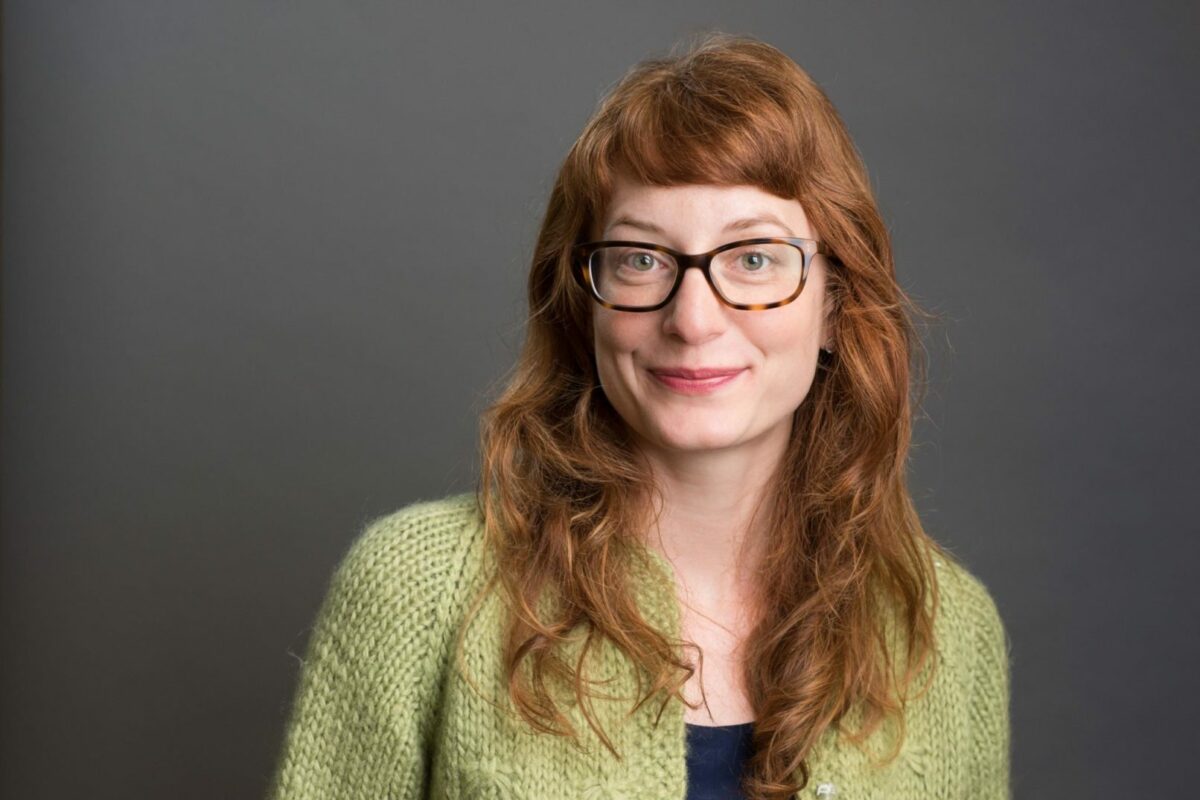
977 652
368 694
418 540
409 563
974 646
968 612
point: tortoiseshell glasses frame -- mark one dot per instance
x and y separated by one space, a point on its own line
581 258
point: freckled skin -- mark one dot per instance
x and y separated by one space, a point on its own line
779 346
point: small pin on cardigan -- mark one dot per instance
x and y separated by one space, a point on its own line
826 790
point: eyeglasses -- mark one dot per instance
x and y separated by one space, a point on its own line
750 274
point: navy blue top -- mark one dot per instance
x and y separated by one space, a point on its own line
716 756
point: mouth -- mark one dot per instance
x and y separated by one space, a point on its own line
696 381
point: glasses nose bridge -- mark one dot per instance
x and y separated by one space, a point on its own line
700 261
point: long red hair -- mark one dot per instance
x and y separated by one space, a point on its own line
565 497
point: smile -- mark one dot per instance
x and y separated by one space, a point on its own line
695 381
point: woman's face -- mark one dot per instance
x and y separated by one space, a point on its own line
773 352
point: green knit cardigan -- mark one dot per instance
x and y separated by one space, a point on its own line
382 712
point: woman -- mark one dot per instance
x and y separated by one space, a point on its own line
692 567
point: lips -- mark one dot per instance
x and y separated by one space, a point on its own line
697 374
696 381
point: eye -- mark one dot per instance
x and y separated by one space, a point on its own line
754 260
642 261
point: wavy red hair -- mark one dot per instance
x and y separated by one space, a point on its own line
566 499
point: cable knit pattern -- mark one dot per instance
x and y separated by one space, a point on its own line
379 711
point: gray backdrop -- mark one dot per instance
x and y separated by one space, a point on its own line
264 265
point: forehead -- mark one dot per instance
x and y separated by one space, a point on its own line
707 205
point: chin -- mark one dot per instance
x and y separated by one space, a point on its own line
696 436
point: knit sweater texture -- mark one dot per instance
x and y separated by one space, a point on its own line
381 711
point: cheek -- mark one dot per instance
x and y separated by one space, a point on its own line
790 332
617 342
791 352
616 337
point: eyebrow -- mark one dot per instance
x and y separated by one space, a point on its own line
736 225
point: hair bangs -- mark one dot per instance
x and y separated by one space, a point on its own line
680 130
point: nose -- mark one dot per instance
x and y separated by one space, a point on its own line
695 313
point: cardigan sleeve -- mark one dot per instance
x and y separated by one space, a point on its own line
990 702
361 719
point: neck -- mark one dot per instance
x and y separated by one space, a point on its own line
708 529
